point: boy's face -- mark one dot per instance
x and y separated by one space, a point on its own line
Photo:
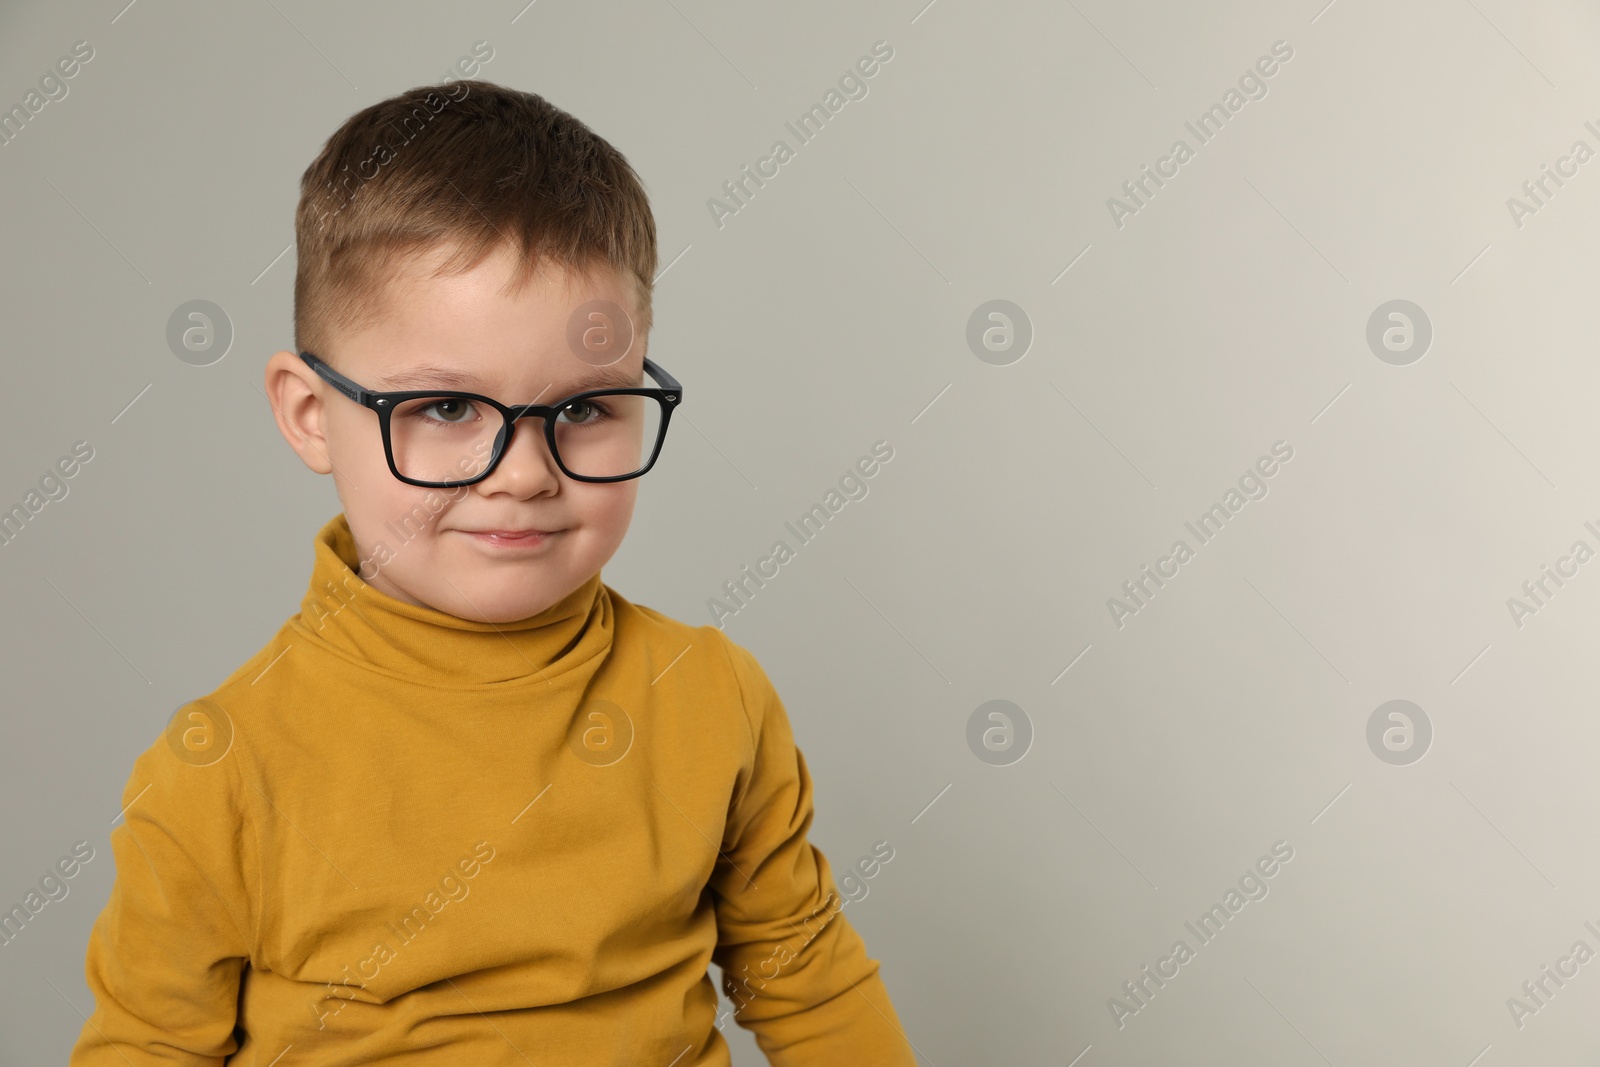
518 349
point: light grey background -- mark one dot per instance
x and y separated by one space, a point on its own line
831 312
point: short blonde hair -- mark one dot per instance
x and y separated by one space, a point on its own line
473 165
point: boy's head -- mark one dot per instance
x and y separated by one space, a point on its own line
446 239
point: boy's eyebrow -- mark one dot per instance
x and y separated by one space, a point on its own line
466 381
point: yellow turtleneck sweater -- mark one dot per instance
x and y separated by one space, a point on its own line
396 835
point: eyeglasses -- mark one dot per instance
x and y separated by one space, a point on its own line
441 438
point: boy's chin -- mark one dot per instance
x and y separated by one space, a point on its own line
490 597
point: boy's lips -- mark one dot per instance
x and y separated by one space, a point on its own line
506 540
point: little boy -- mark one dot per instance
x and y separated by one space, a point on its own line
470 805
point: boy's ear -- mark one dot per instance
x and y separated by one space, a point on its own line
294 392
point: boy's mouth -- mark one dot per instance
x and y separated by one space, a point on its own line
511 538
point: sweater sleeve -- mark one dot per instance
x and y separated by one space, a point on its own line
166 954
795 970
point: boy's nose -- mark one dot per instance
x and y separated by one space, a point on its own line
527 466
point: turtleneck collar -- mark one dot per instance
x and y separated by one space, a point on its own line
343 613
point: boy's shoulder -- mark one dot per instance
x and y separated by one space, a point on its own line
201 728
739 675
651 624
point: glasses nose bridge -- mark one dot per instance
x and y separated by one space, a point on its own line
527 411
517 414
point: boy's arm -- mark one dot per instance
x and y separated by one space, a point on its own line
796 971
165 956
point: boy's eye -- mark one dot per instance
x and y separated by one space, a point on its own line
582 411
447 409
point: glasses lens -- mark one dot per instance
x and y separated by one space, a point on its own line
607 435
442 438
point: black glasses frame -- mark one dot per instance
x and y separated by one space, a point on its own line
669 396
